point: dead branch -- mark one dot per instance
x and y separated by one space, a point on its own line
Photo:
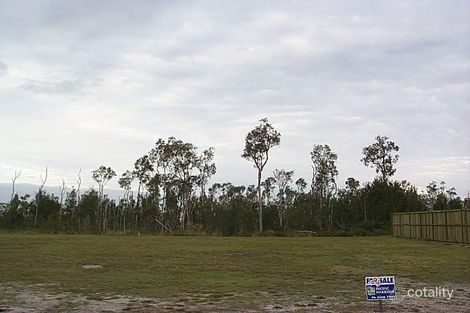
17 175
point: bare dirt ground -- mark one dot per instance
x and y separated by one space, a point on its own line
21 298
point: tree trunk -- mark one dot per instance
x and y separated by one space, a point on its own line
17 175
36 214
330 213
136 210
260 203
320 210
365 209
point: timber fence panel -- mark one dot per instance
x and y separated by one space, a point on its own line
449 225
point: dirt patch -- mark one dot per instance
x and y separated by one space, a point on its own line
21 298
91 266
460 301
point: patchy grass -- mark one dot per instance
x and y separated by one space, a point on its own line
240 271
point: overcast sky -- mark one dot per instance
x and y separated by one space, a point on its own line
85 83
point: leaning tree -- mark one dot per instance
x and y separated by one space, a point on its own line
258 142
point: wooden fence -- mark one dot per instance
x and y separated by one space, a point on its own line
450 225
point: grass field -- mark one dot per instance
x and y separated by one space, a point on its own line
159 274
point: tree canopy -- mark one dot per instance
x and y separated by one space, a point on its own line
382 155
170 189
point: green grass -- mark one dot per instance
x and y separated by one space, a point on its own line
157 266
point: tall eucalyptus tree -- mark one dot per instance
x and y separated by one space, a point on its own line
102 176
324 174
142 170
382 155
40 194
282 179
183 164
258 143
125 182
206 169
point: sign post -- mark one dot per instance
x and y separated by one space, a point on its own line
380 288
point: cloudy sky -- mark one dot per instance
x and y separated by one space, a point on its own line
85 83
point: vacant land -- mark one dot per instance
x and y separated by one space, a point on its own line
87 273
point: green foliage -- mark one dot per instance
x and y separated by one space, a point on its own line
172 197
381 155
258 142
324 186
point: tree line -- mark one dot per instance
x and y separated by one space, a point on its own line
168 191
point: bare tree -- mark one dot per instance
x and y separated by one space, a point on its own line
17 175
77 200
79 183
62 193
39 194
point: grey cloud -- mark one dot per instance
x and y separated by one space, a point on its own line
101 81
66 86
3 69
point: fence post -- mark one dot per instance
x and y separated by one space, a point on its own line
447 226
462 223
432 225
420 225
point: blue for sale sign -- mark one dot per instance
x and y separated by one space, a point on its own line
380 287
